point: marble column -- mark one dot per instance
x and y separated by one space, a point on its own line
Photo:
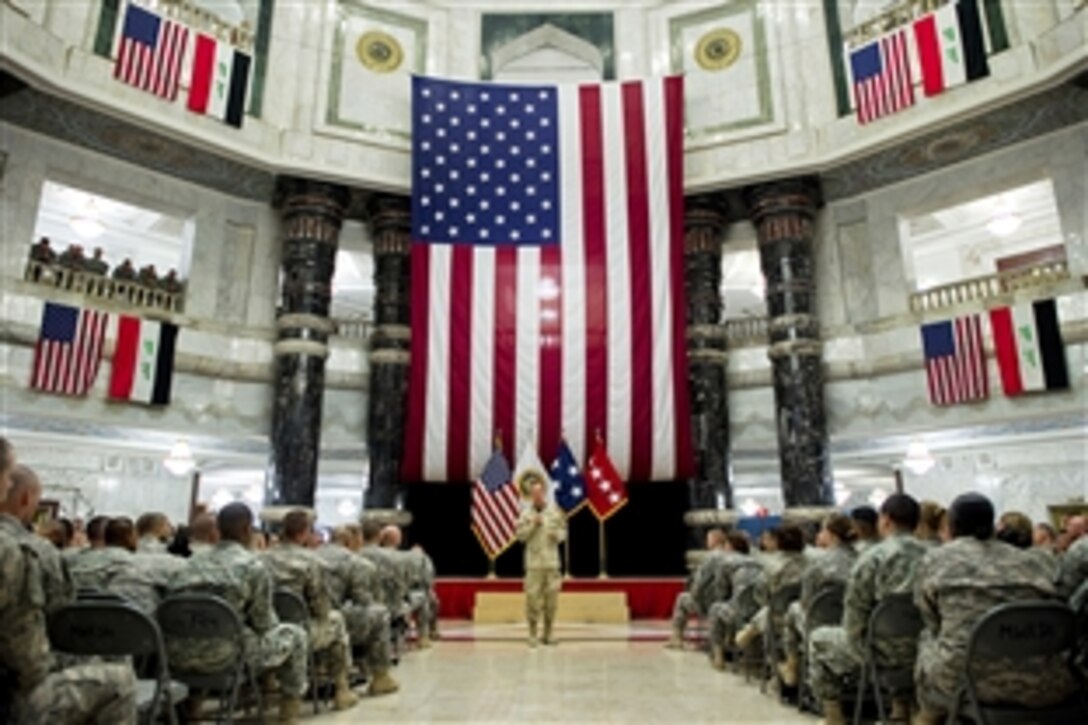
390 226
783 213
312 212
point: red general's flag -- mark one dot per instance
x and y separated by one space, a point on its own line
606 489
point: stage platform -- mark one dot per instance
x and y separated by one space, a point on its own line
641 631
646 598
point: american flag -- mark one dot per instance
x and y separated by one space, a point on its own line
69 349
547 275
495 506
955 361
151 52
882 77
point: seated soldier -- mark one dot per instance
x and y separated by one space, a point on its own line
417 603
115 568
830 567
1074 567
231 571
700 593
153 532
42 691
72 258
740 574
836 653
930 516
20 505
1016 529
958 584
170 283
296 568
781 571
148 277
352 582
203 533
865 520
394 592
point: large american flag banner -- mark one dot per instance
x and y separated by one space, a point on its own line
882 76
151 52
955 361
547 275
69 349
495 506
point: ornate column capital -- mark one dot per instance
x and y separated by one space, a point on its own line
786 197
706 217
390 219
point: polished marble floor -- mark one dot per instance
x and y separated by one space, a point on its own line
583 681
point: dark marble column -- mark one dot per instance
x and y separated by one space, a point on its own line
704 222
783 214
312 212
390 225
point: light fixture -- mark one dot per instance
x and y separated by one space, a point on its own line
1004 224
180 462
918 459
87 227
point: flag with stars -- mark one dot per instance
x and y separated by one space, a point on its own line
570 485
605 488
547 275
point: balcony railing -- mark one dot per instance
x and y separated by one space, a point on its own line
98 286
353 328
979 289
746 331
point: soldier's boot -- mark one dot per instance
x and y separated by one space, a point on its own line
923 717
424 641
833 713
533 641
717 657
676 641
787 670
289 709
382 684
194 706
900 710
344 698
746 636
549 638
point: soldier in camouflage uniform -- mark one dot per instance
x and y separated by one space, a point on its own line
21 504
394 590
740 574
298 569
412 566
865 520
831 566
836 653
234 573
1074 567
701 592
153 532
117 568
781 571
352 582
40 692
957 585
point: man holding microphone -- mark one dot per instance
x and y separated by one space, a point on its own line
541 528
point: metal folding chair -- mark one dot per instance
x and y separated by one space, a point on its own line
825 610
776 616
895 617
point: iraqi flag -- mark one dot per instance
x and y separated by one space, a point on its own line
1029 348
951 51
220 80
143 361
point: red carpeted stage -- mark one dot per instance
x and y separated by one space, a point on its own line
647 598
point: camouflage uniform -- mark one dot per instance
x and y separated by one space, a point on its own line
421 594
118 570
232 572
298 569
957 585
708 586
743 574
407 566
43 693
542 577
830 566
835 653
394 591
351 581
56 581
1074 567
151 545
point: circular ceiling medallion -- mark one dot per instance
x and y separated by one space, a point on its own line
379 51
718 49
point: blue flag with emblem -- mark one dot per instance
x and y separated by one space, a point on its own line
570 486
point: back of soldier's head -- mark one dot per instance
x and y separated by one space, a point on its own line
901 511
930 514
120 532
204 529
23 495
972 514
390 537
865 518
1015 528
790 537
841 526
96 530
738 541
715 538
235 523
152 523
296 525
372 530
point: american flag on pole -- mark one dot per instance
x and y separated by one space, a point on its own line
151 52
69 349
882 76
495 506
547 275
955 361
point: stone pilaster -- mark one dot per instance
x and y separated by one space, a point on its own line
783 213
390 225
312 213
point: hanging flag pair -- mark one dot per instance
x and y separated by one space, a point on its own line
68 355
152 54
605 491
1027 343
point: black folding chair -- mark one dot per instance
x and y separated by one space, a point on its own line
894 618
8 688
100 595
776 616
1012 632
825 610
115 629
291 608
199 618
